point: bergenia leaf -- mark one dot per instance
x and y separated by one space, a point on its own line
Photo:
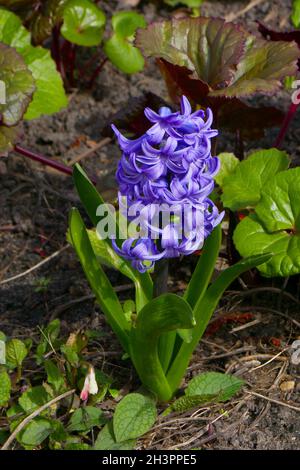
242 188
210 48
232 62
49 96
119 48
125 23
19 85
228 163
83 23
40 17
262 68
275 226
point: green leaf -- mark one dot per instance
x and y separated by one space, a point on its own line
49 96
187 403
124 55
5 388
84 419
54 375
35 432
19 86
134 416
188 3
242 188
295 16
98 280
16 352
91 200
33 398
224 386
119 48
70 354
275 226
220 59
12 32
203 311
83 23
229 162
163 314
106 440
125 23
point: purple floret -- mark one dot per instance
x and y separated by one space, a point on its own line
170 164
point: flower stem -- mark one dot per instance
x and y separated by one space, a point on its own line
285 125
161 272
46 161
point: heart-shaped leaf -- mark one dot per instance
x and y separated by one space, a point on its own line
83 23
84 419
106 440
134 416
119 48
16 352
242 188
35 432
275 226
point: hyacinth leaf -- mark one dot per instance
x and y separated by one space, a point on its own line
19 86
49 96
223 386
119 49
228 162
98 280
91 200
83 23
162 315
232 62
203 311
202 275
275 226
242 188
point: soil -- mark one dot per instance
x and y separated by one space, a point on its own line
35 202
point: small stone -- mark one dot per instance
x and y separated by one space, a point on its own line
287 386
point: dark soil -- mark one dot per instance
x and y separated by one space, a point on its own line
35 203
